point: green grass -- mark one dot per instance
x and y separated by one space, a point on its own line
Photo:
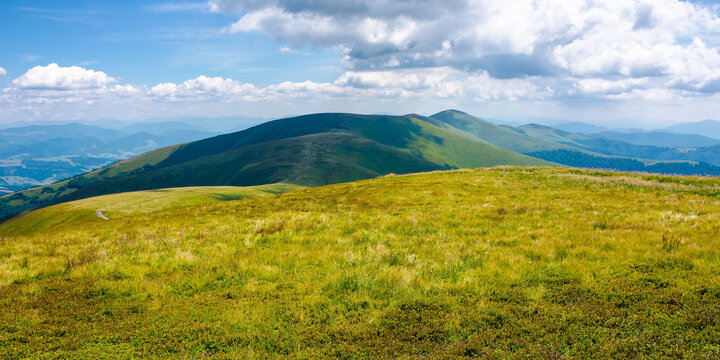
456 149
132 203
551 134
504 137
117 206
491 263
310 160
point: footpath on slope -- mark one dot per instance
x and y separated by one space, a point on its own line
99 214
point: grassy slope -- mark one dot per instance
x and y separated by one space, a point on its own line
498 135
448 147
320 159
497 263
132 204
551 134
412 134
309 160
126 167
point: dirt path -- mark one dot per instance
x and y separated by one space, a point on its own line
99 214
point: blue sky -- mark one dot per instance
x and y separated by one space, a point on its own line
147 42
623 62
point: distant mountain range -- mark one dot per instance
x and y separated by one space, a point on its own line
705 128
41 154
314 150
580 127
709 128
580 150
658 138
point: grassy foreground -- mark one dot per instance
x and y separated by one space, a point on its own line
494 263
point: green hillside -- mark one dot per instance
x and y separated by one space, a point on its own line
412 134
504 137
497 263
555 135
309 150
134 203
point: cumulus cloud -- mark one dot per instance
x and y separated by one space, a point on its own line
427 83
439 83
2 71
45 90
602 86
427 31
202 88
572 41
55 77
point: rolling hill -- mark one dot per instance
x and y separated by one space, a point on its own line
497 263
504 136
307 150
578 150
136 203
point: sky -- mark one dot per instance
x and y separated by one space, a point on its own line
647 63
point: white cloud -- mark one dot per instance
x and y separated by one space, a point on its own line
416 79
202 88
654 94
441 32
483 87
439 83
602 86
2 71
52 90
54 77
43 91
573 45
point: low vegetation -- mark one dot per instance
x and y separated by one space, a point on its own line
489 263
133 204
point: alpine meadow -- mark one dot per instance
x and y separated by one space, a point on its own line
502 262
360 179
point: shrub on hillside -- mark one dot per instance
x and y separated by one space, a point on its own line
79 182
